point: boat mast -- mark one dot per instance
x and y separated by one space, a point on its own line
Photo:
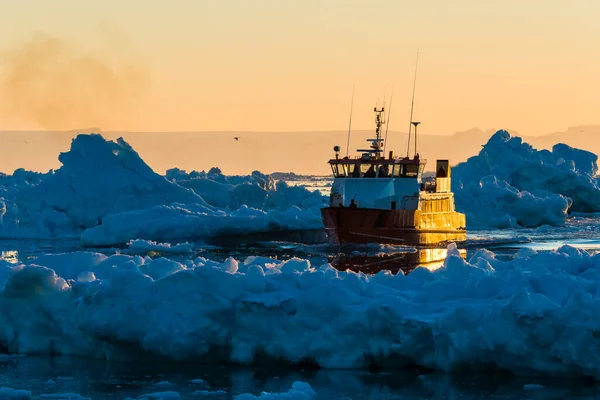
379 120
387 126
350 121
412 105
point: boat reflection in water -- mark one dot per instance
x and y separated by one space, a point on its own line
430 258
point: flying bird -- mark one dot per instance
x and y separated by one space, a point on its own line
236 138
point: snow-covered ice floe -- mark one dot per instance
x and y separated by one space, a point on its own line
511 184
140 246
107 194
536 314
166 223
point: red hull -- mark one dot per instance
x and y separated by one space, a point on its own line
401 227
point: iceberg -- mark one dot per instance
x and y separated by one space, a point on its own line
105 193
535 314
98 178
511 184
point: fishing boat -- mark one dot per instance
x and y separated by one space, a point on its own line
375 199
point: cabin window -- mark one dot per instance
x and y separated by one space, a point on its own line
393 205
368 170
412 170
354 170
339 170
348 169
398 170
336 170
384 171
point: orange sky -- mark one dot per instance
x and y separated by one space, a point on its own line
195 65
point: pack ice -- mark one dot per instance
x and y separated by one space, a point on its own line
536 314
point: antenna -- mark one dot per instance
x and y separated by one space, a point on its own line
379 120
412 105
388 119
350 122
415 124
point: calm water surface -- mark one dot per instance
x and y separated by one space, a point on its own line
104 380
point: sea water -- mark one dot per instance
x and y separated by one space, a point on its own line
44 376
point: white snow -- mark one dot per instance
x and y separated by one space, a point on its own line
536 313
106 192
299 391
511 184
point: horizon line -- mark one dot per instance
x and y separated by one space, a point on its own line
96 130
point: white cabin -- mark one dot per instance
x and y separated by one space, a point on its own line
390 184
